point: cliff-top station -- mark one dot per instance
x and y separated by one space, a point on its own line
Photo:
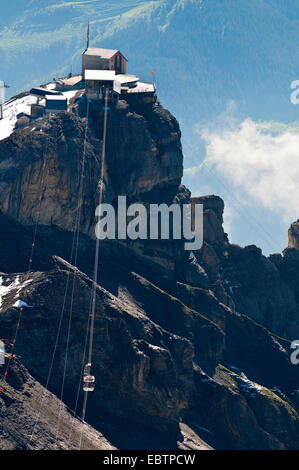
102 69
108 68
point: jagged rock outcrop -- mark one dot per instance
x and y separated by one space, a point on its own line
151 367
201 337
266 289
294 235
213 206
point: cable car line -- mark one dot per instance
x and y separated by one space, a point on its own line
33 246
238 207
77 235
74 411
75 239
88 379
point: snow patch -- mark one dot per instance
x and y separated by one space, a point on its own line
51 86
4 290
10 111
70 94
20 303
230 286
16 286
14 107
249 388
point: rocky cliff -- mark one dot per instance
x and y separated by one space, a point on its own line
193 345
294 235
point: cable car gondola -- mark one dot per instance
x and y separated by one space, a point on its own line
88 379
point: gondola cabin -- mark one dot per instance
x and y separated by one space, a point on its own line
88 379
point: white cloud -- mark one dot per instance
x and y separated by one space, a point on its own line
261 161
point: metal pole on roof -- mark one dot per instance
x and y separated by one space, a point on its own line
2 97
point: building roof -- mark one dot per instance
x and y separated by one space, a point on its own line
56 98
126 78
143 87
56 103
71 81
40 91
103 53
100 75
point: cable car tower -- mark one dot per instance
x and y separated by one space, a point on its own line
2 97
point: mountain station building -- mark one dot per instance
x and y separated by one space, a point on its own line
95 58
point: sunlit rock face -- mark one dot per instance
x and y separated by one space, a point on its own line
41 164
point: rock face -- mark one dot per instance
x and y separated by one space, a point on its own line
294 235
193 345
29 418
41 164
213 232
266 289
131 351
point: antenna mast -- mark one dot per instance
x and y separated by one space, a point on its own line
88 35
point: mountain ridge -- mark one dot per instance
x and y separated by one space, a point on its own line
179 336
